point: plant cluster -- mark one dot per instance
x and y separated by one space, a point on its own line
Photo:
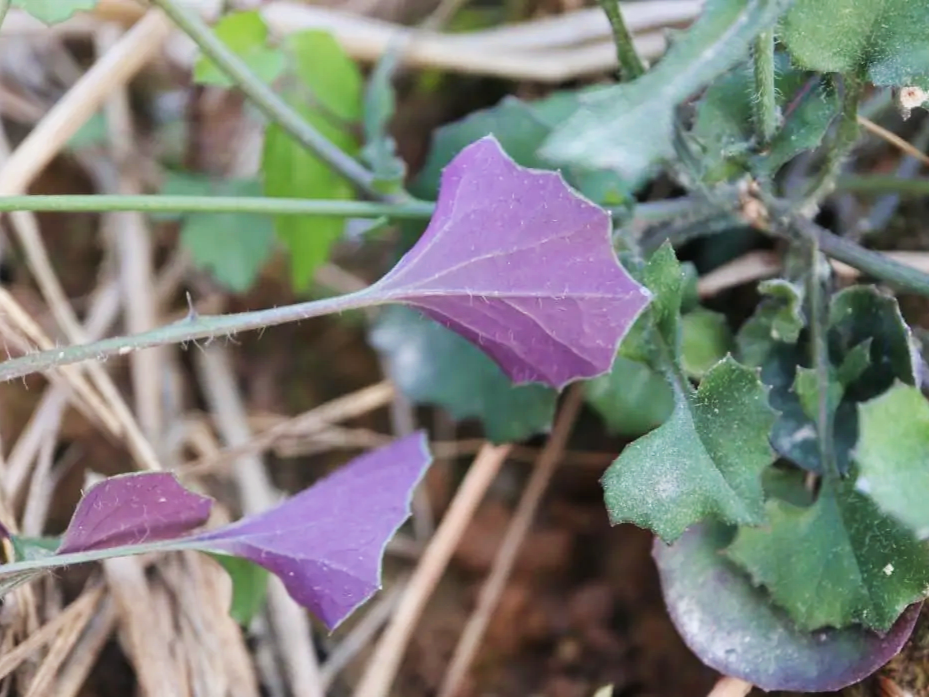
784 466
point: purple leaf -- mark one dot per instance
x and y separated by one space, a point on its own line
134 508
733 627
326 543
523 267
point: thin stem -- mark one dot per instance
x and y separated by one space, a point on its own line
192 328
846 136
883 184
270 104
411 209
825 426
630 65
872 263
765 104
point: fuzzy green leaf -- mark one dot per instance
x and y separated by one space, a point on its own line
246 34
705 340
433 365
326 88
836 563
777 320
628 128
54 11
705 461
893 454
233 247
632 399
885 39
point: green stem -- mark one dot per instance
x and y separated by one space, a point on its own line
819 317
846 136
630 65
883 184
270 104
765 104
189 329
875 264
411 209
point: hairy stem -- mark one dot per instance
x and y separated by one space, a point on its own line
765 104
846 136
630 65
410 209
192 328
270 104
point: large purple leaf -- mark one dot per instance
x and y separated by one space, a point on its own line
133 509
733 627
523 267
326 543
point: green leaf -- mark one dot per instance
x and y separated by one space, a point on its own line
380 104
836 563
806 385
246 34
705 461
327 91
249 587
705 340
777 320
234 247
632 398
665 277
54 11
893 454
432 365
29 548
885 39
628 128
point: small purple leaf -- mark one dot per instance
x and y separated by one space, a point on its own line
326 543
523 267
131 509
733 627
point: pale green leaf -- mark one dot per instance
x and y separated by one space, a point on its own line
249 587
893 453
54 11
632 399
246 34
705 340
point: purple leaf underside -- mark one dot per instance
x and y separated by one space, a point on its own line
522 266
133 509
732 627
326 543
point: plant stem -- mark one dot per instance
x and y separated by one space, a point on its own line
630 65
846 136
411 209
819 312
883 184
270 104
190 329
872 263
765 104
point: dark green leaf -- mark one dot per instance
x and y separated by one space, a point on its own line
664 277
705 340
632 398
232 246
705 461
54 11
893 454
803 128
732 626
628 128
777 320
249 587
326 88
246 34
432 365
836 563
886 39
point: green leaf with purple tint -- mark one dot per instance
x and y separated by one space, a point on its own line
326 543
733 628
133 509
522 266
